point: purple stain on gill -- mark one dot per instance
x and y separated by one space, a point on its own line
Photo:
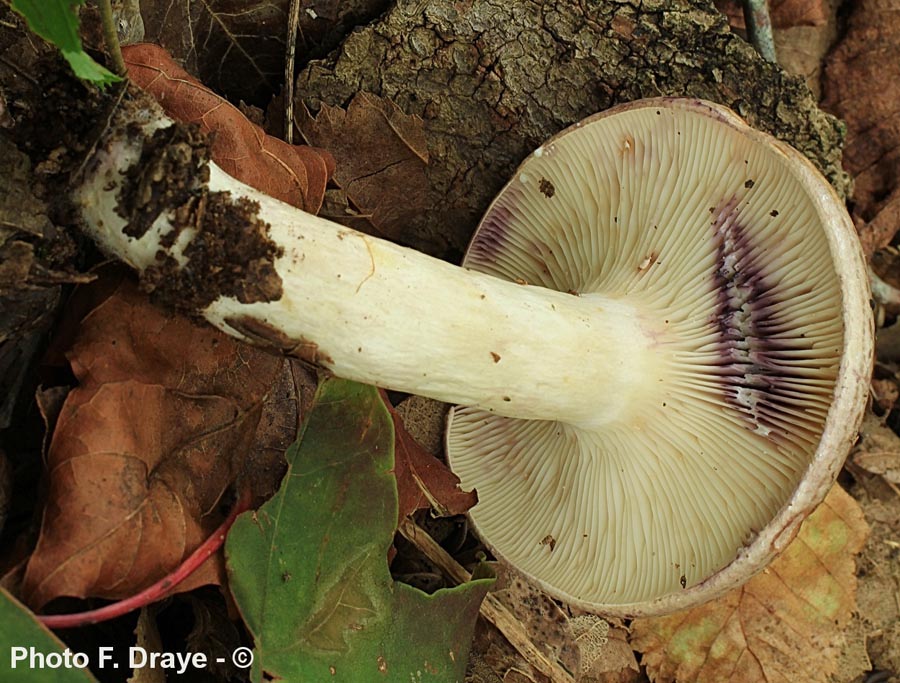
756 368
490 239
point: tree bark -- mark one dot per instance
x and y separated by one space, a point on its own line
493 79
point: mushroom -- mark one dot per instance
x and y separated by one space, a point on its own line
661 334
745 273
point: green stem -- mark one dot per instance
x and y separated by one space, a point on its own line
111 36
759 28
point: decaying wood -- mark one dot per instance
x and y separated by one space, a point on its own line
492 80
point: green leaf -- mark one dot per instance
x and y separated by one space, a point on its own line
87 69
57 22
19 629
309 569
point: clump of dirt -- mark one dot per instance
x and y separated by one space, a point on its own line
56 122
172 165
231 255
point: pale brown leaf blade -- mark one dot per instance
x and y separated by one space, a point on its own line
785 620
878 450
143 450
423 481
860 86
381 154
295 174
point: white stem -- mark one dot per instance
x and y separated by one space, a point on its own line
375 312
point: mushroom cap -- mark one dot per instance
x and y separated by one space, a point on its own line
742 249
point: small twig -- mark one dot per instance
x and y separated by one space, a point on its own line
759 28
491 608
15 67
883 292
158 590
289 59
893 487
111 37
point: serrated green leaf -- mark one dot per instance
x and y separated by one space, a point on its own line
57 22
19 629
88 70
309 569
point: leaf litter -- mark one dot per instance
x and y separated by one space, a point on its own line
381 155
860 86
790 618
309 571
145 448
423 481
577 622
296 174
123 433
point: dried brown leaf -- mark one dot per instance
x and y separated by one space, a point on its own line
296 174
279 426
785 621
143 450
381 155
237 47
35 259
879 575
860 85
606 656
423 481
878 450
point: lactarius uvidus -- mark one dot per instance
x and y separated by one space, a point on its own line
661 334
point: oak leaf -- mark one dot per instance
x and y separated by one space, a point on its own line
296 174
144 449
784 622
381 154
